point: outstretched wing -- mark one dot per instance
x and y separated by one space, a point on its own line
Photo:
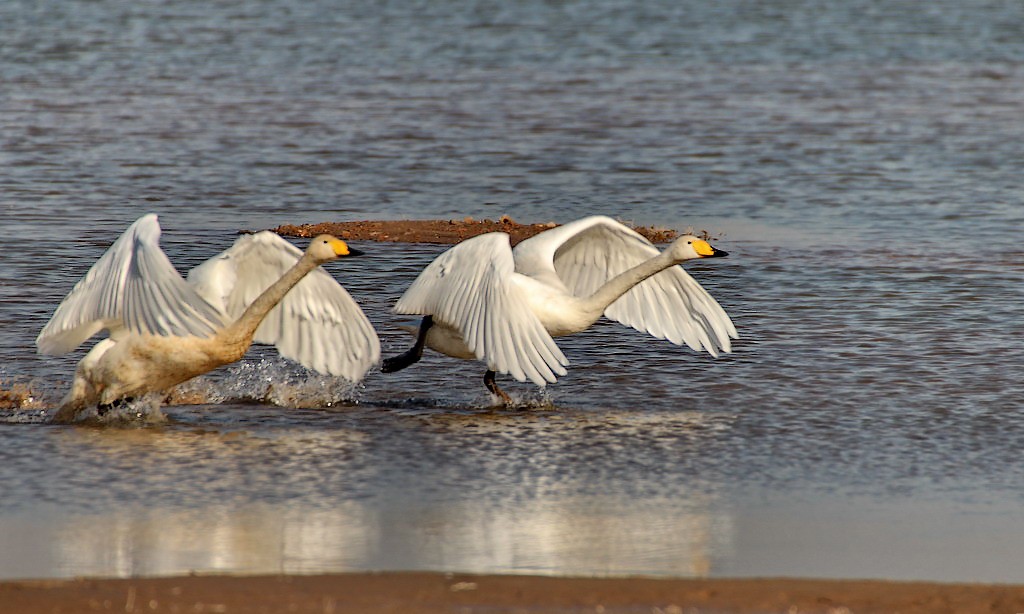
132 287
670 305
470 288
317 323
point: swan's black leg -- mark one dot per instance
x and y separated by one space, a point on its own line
493 387
103 408
397 363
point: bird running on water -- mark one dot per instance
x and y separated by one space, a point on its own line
164 330
483 300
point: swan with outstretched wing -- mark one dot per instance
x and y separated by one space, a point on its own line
164 330
484 300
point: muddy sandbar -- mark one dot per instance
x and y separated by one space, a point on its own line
446 232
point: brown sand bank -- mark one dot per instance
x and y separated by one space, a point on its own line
446 232
370 593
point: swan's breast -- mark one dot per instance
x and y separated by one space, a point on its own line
154 362
559 312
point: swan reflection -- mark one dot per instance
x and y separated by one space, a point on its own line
580 536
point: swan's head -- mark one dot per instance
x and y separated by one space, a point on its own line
689 247
327 247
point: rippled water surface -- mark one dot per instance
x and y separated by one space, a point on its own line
861 162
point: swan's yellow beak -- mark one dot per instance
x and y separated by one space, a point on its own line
342 249
704 250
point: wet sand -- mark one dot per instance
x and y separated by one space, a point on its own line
369 593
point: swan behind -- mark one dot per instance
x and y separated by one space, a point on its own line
165 330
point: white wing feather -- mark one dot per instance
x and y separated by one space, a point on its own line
317 324
470 288
669 305
133 286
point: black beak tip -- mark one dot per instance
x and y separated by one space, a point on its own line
719 253
355 252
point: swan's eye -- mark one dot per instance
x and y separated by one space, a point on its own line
689 242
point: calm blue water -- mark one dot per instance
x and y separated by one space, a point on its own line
861 162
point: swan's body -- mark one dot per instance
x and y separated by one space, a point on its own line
165 330
486 301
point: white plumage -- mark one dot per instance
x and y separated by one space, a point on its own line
503 306
317 323
164 330
472 289
133 287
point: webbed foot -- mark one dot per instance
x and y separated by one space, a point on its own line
495 390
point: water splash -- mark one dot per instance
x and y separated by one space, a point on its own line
143 411
30 402
199 390
484 404
283 384
539 399
263 381
19 395
22 401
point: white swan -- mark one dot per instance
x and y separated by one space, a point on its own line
484 300
164 330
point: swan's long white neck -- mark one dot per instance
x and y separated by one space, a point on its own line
245 326
622 283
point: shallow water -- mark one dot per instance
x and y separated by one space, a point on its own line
865 180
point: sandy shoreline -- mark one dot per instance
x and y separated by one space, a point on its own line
369 593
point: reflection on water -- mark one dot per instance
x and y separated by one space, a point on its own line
256 539
249 490
587 536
